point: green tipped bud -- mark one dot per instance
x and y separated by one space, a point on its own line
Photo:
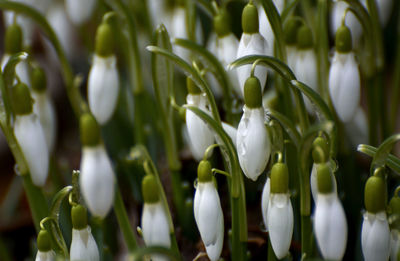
104 40
324 179
343 40
43 241
290 31
304 38
13 37
394 212
222 23
192 87
21 99
38 79
204 171
320 150
79 217
90 130
250 19
279 178
375 194
252 92
150 189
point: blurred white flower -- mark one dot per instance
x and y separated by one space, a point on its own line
45 256
21 69
83 245
266 30
80 11
394 245
265 201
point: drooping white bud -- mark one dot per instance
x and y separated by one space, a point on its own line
80 11
351 21
83 245
45 256
253 143
265 201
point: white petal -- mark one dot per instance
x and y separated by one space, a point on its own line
80 11
291 56
227 47
97 180
357 128
83 246
265 202
330 226
394 244
231 131
30 137
351 21
253 143
103 88
266 30
214 250
280 223
45 256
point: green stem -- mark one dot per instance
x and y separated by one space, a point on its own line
395 97
373 114
323 50
306 236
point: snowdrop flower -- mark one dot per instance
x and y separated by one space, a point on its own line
29 134
280 211
330 223
83 245
97 176
251 43
265 27
351 21
344 77
200 134
375 234
24 22
45 253
290 35
208 212
252 140
103 84
155 226
394 217
265 201
43 107
80 11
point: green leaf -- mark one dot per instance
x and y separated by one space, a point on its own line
288 125
288 10
391 161
207 6
57 200
383 151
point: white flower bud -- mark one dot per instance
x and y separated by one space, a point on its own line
375 237
394 245
266 30
313 181
344 85
30 136
103 87
83 245
351 21
253 143
80 11
97 180
265 201
209 218
330 226
45 256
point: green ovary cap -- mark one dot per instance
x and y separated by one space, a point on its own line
394 211
150 189
252 92
250 19
343 40
38 79
90 130
13 37
192 87
79 217
324 179
375 194
222 24
21 99
320 150
279 178
204 171
304 38
104 40
290 31
44 241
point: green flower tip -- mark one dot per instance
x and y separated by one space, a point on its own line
79 217
343 40
375 194
38 79
90 130
150 189
250 19
279 178
222 24
21 99
304 38
192 87
252 92
394 211
324 178
104 40
44 241
13 40
204 171
320 150
290 31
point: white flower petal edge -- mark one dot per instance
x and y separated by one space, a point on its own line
394 245
30 136
83 246
79 11
45 256
265 201
280 223
97 180
253 143
209 218
251 44
375 237
103 87
330 226
344 85
313 181
200 134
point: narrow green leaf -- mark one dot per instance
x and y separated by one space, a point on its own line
288 10
391 161
57 200
383 151
206 6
